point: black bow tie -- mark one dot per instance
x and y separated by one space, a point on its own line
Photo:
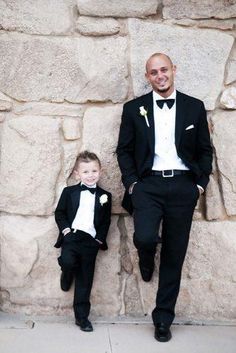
169 102
85 187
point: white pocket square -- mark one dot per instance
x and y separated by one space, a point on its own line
190 127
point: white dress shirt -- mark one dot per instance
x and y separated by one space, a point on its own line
165 157
85 214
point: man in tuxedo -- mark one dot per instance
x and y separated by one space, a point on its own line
165 157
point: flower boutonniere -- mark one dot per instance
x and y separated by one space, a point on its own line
103 199
143 112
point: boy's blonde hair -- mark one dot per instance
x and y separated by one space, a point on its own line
86 156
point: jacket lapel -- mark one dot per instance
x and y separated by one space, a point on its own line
148 105
75 199
97 206
180 116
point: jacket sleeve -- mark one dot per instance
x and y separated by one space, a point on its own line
204 149
126 149
61 216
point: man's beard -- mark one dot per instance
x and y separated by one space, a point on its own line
164 90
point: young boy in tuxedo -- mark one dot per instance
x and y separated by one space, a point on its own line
83 217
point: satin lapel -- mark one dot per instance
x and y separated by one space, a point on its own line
180 116
148 105
97 206
75 198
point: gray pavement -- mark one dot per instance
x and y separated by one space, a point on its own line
61 335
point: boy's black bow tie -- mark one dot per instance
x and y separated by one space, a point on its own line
169 102
85 187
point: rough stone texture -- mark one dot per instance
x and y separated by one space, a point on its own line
214 206
54 109
231 71
209 276
29 269
228 98
58 69
5 103
71 128
97 26
30 165
70 152
37 17
122 8
3 97
201 9
104 142
132 300
206 55
224 130
223 25
105 297
5 106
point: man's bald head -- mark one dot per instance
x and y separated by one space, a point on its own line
158 55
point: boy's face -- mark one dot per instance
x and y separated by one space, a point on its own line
88 172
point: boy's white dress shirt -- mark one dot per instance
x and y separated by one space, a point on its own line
85 214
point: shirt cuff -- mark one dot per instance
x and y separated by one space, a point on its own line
66 231
200 189
131 187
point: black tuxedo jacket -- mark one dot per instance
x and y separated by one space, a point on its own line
68 205
136 144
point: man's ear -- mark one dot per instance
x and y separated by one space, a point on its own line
174 69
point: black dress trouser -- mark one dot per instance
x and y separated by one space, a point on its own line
78 255
171 200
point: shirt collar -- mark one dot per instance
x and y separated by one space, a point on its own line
89 186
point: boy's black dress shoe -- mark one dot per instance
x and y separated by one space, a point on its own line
84 324
66 280
146 272
162 332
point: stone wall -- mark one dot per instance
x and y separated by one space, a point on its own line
66 68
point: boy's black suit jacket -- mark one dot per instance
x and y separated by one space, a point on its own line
68 205
136 145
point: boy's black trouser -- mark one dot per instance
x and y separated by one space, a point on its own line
78 255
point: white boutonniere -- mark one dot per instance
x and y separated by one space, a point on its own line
143 112
103 199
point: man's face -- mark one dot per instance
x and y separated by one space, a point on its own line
160 72
89 172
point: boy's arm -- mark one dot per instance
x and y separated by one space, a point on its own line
61 213
105 224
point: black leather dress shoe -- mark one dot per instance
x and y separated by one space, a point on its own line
146 272
66 280
84 324
162 332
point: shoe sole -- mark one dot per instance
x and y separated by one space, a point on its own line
163 339
84 329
